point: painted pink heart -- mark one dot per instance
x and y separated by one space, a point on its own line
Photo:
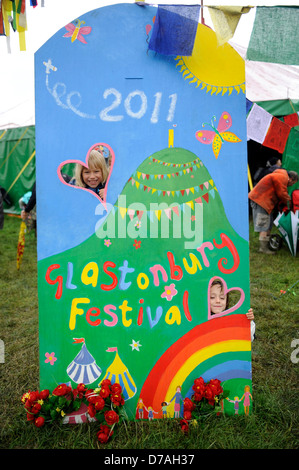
226 291
85 164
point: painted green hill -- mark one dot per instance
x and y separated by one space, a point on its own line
136 280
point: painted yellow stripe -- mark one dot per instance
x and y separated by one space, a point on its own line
14 147
249 178
18 176
3 133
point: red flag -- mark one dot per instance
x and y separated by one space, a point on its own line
291 120
277 135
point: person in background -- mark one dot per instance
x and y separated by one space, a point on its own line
29 209
274 163
270 191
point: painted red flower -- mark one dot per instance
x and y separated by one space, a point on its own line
137 244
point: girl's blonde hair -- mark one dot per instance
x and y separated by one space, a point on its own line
95 161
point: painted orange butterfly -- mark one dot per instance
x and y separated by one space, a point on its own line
218 135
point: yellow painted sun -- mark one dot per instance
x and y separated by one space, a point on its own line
217 69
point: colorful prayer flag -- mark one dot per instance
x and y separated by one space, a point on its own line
291 120
277 135
174 30
258 122
275 36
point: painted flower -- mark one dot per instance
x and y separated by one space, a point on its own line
107 242
137 244
138 224
50 358
169 292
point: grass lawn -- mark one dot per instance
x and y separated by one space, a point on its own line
274 420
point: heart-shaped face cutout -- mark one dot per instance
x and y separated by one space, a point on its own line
89 179
226 292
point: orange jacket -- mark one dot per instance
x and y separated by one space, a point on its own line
271 190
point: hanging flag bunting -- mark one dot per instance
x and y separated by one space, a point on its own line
291 120
268 130
249 105
175 29
258 122
225 20
277 135
274 37
13 17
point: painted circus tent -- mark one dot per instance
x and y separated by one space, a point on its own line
124 281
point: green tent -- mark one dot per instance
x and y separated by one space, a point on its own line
280 107
17 165
290 158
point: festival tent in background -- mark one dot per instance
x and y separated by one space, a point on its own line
17 165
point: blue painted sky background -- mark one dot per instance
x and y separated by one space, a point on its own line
68 108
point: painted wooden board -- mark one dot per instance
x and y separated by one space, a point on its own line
124 281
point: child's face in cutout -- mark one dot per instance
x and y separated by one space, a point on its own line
217 299
92 177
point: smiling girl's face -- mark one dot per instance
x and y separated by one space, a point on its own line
92 177
217 299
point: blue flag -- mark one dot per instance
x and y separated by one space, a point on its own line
174 30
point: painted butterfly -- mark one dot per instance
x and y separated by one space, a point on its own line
76 31
218 135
